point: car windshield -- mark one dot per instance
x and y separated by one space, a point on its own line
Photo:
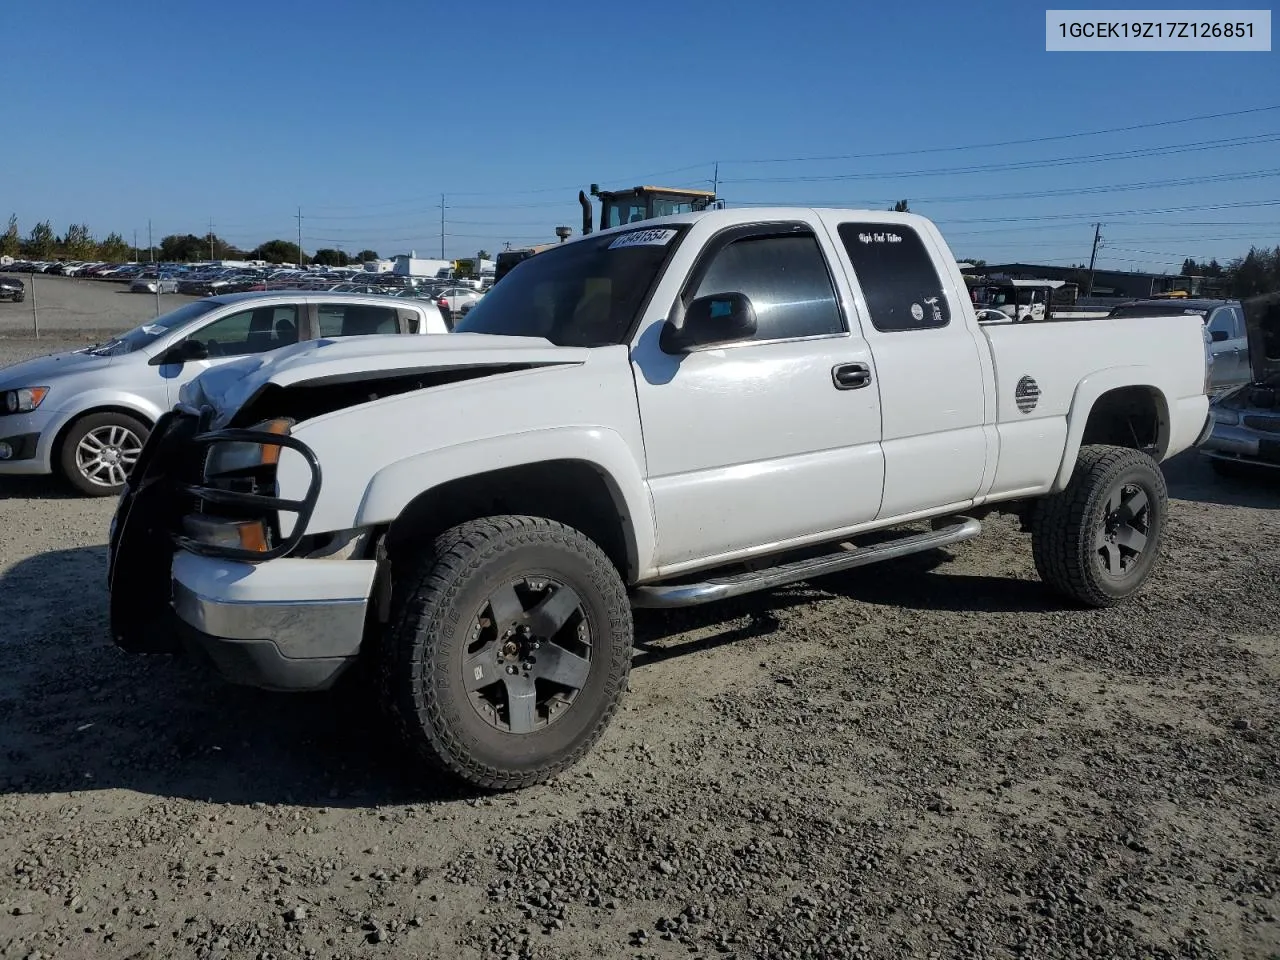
584 294
140 336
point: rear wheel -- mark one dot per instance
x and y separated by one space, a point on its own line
1098 540
99 451
507 651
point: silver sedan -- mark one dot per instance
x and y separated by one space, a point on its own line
147 283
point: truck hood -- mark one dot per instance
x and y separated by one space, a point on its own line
1262 320
34 373
378 357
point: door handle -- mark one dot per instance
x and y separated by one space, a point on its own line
850 376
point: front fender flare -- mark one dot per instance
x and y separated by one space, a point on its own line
393 487
1086 394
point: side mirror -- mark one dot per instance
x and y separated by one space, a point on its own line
1218 335
715 319
181 352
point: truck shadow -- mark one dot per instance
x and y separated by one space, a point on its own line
78 714
1190 476
35 488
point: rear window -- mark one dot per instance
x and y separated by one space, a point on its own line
897 276
355 320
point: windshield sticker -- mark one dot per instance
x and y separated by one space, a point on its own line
917 311
659 237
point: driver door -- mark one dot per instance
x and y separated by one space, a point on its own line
239 334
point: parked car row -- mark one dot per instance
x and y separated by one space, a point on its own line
85 414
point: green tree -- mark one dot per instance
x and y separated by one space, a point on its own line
331 258
183 248
279 251
483 255
900 207
41 241
364 255
79 244
11 241
114 249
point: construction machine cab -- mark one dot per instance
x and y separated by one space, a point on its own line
619 207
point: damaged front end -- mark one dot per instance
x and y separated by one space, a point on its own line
209 492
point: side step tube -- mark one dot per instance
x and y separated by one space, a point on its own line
660 596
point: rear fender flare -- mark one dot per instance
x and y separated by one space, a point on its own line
1087 392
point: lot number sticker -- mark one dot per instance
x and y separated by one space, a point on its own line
644 238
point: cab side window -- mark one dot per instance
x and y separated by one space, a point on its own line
787 281
897 276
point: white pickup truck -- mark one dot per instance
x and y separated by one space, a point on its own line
655 416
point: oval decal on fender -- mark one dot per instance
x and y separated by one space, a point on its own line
1026 394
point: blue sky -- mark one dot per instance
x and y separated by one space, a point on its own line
363 114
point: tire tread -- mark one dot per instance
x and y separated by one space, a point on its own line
423 594
1060 522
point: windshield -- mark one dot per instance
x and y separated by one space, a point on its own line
139 337
583 294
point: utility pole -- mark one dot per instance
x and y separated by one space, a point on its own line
715 180
442 226
299 238
1093 257
211 238
151 247
135 244
153 260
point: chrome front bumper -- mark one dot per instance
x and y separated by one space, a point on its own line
286 624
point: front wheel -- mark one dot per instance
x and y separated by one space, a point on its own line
507 651
99 451
1098 540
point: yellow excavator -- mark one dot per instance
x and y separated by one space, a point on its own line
617 207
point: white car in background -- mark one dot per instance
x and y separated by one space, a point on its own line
85 414
451 300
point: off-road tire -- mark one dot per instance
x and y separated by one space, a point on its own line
1064 526
71 438
436 597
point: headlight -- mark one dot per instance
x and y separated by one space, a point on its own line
24 399
236 534
1228 417
244 458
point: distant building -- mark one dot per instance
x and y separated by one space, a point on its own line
1122 284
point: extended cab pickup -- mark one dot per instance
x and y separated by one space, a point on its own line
655 416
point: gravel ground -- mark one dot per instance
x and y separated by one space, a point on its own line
68 307
932 758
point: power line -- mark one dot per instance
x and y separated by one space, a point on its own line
1041 194
1141 152
1011 143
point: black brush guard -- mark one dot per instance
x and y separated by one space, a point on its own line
164 486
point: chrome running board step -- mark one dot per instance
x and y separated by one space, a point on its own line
666 596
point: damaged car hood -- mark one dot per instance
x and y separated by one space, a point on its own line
1262 320
229 386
